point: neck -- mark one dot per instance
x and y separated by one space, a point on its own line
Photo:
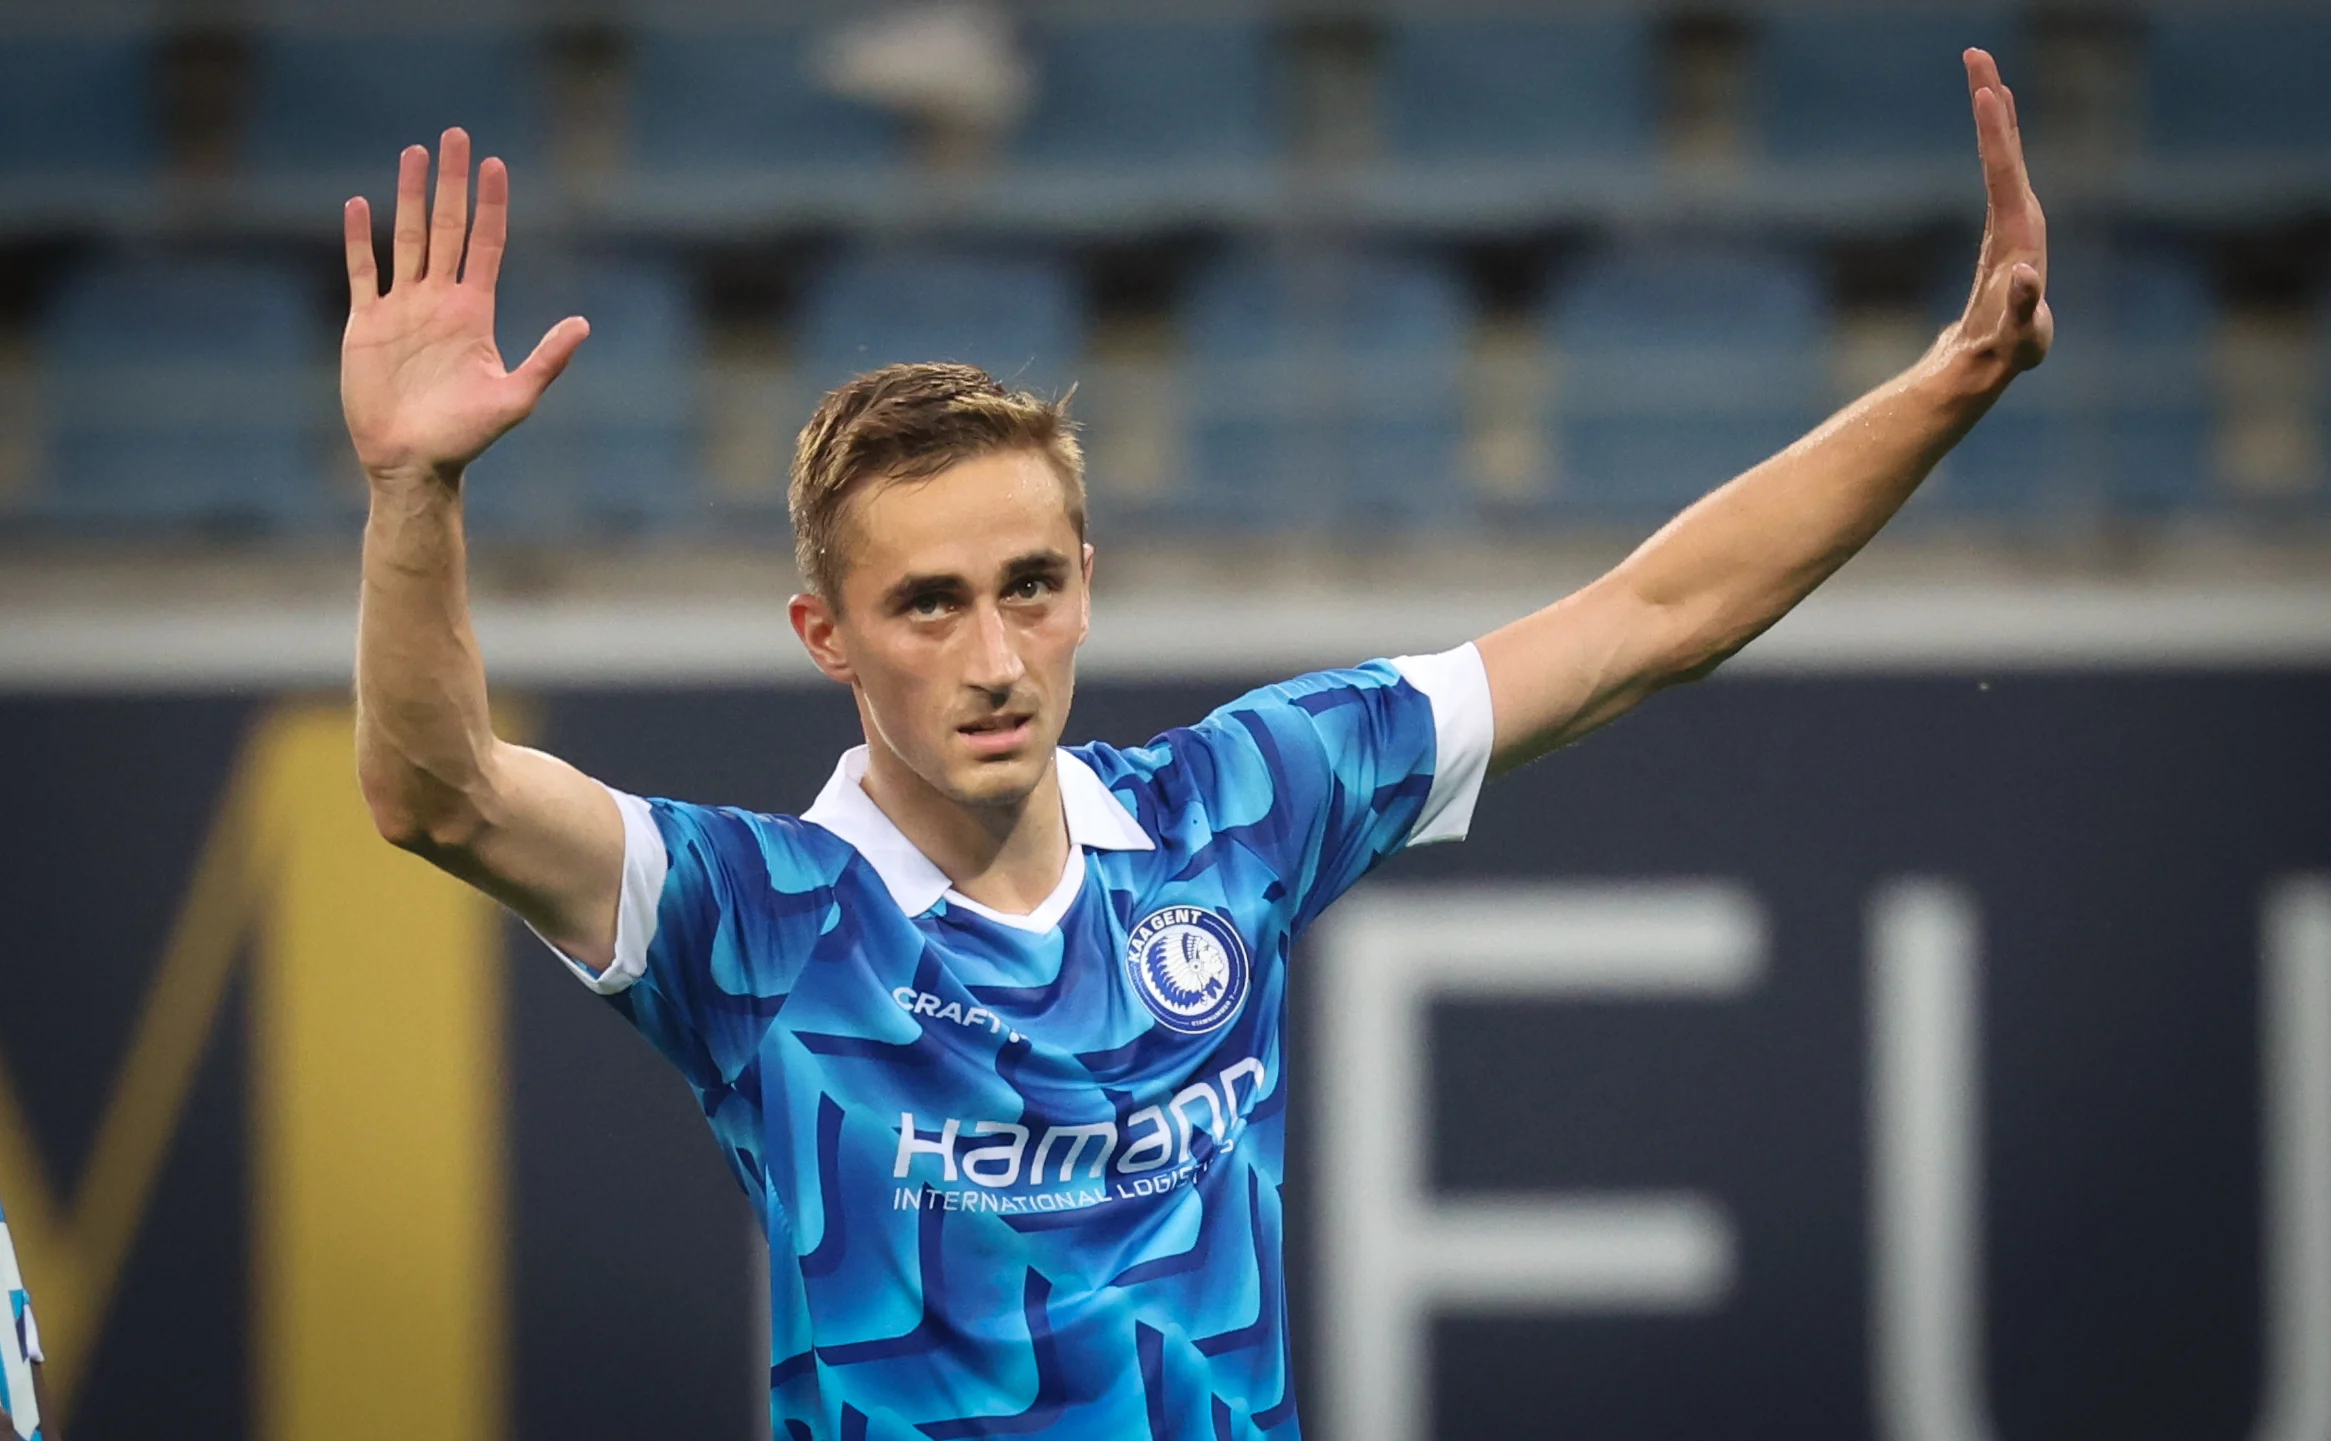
1008 856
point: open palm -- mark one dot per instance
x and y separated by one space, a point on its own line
2007 316
422 384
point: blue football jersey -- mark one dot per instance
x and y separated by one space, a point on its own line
20 1346
1020 1174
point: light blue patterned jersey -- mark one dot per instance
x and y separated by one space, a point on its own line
1020 1174
20 1347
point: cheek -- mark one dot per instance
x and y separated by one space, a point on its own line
909 702
895 672
1052 642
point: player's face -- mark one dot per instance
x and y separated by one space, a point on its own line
963 604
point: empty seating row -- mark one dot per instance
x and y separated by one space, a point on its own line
701 100
197 393
178 394
1825 87
1335 393
1321 388
2119 419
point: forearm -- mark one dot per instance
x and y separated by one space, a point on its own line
1716 576
1727 568
424 736
525 827
1719 574
424 392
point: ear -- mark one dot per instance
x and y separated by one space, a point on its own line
821 635
1084 625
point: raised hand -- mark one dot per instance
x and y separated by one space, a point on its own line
2007 321
421 382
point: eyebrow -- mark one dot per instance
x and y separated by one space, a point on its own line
1040 563
1020 567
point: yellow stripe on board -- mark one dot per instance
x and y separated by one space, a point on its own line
378 1125
74 1238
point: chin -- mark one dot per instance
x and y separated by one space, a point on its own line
1002 781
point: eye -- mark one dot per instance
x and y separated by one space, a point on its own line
929 603
1031 587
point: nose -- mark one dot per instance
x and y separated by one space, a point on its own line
995 664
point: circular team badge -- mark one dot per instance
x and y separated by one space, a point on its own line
1189 967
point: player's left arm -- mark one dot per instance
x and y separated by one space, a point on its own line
1718 575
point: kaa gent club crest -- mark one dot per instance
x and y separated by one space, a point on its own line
1189 967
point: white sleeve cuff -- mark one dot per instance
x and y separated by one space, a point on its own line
1457 684
645 862
32 1339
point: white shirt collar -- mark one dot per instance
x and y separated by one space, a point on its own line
1097 820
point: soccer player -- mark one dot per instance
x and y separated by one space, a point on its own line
992 1032
23 1396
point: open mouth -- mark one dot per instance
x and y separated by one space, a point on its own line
994 734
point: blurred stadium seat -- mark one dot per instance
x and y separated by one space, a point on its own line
1018 316
719 100
1326 392
343 105
1518 88
611 449
2118 420
1332 384
1678 367
2160 321
1114 92
2037 452
77 107
182 393
1842 86
2247 84
2313 462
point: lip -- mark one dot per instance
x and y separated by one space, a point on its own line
997 740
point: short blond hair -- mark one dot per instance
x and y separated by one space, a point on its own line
909 422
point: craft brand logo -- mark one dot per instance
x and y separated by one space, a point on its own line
938 1008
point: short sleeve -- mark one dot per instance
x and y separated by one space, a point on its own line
1456 683
646 864
715 904
1328 774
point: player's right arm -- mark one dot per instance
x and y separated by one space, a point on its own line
424 391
